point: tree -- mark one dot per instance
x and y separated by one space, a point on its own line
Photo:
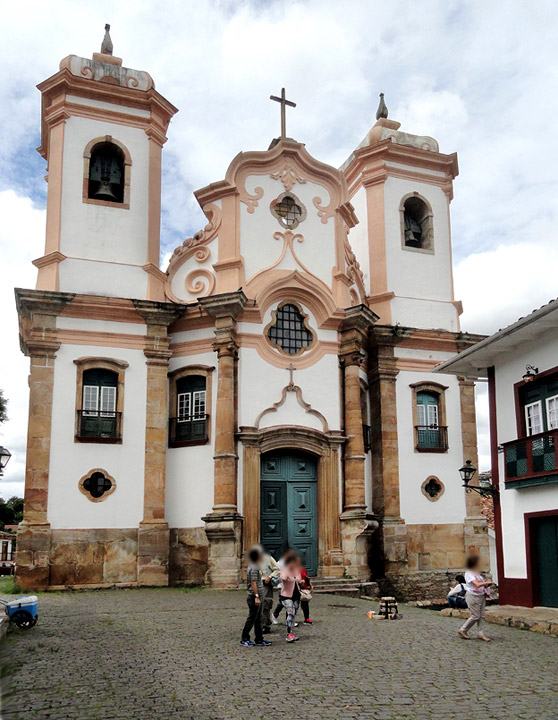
3 407
16 504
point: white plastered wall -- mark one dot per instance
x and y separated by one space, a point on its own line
415 467
542 352
190 469
358 236
258 246
68 507
422 281
98 234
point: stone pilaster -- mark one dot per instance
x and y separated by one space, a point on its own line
37 319
153 532
475 529
382 375
224 524
357 525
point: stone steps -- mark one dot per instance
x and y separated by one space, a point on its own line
347 587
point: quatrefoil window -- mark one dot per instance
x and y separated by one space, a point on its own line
288 330
288 209
97 484
432 488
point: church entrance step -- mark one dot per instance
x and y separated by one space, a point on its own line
348 587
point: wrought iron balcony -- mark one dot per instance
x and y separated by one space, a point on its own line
431 438
531 460
188 430
98 426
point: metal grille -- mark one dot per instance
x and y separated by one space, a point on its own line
288 331
531 457
288 211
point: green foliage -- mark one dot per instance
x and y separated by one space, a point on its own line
11 512
8 585
3 407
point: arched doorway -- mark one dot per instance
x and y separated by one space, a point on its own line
289 505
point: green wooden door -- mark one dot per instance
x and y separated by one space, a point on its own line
289 507
545 557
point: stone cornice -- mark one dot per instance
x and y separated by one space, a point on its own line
158 313
224 305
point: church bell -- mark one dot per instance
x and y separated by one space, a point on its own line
106 171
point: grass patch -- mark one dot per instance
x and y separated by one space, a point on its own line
8 585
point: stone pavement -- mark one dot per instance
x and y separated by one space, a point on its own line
169 653
538 619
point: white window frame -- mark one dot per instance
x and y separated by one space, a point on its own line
187 404
195 404
107 404
428 415
552 424
198 405
528 425
90 407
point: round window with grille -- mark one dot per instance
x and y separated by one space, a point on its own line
288 209
288 330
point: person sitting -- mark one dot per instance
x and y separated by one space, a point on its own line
456 596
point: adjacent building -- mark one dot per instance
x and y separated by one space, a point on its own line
521 365
275 384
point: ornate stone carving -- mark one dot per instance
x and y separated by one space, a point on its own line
288 175
291 387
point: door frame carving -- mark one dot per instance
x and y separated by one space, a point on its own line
325 447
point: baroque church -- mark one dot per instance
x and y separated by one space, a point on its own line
274 384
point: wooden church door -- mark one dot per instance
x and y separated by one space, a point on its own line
289 507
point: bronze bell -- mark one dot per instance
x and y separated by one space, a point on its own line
107 171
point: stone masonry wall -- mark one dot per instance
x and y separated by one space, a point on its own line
188 559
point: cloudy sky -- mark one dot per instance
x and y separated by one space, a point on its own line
481 77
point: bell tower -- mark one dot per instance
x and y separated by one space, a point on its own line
103 127
401 187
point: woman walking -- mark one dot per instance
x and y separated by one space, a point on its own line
290 590
475 598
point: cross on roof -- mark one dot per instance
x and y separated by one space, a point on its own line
284 102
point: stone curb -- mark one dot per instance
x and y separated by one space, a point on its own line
522 622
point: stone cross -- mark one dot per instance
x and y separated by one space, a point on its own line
291 368
284 102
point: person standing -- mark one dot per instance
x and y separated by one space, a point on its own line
270 575
305 595
290 591
475 598
255 590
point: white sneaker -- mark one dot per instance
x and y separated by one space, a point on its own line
274 619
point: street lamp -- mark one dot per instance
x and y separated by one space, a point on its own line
467 472
5 456
530 372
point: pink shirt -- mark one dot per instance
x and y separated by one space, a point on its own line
288 581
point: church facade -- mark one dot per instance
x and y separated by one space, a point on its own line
275 384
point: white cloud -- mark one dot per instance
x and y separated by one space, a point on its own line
474 75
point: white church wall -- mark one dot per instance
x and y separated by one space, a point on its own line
101 278
90 231
193 278
260 385
190 469
258 246
415 467
510 367
105 326
68 507
410 272
358 236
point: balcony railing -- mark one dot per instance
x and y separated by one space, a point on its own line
98 426
188 430
431 438
532 460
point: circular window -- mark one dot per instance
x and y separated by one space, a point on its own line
288 210
433 488
97 485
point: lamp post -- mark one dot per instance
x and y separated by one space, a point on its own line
5 456
530 373
467 472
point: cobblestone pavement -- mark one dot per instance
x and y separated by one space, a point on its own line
152 654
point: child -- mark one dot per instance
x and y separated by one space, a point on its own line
255 588
475 598
290 592
305 587
456 596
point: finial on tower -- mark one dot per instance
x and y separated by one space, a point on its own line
382 111
106 47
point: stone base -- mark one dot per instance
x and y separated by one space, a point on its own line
224 534
32 557
153 555
418 585
188 558
357 528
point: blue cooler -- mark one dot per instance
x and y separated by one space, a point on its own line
23 611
